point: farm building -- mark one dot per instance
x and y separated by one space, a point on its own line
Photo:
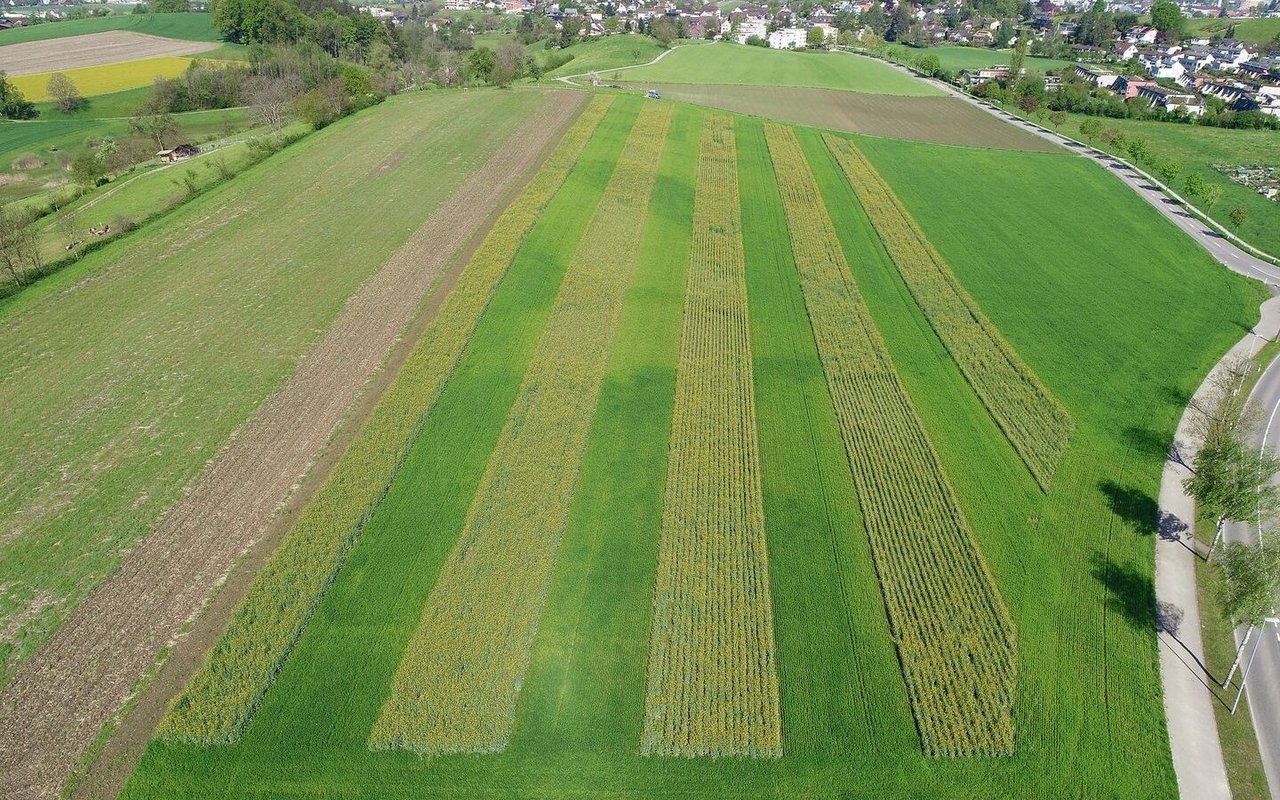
179 153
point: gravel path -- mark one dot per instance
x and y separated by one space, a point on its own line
58 701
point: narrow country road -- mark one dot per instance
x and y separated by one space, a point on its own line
1188 698
1263 690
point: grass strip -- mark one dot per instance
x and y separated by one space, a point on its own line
713 680
222 697
1032 419
457 685
955 638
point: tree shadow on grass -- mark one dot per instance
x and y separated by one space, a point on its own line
1138 509
1128 592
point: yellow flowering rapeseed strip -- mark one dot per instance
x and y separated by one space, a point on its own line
713 680
1035 423
457 685
104 78
956 642
220 700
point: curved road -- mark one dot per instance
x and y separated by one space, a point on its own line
1263 689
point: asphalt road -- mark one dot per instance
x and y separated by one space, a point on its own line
1263 689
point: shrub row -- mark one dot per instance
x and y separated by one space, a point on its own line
713 680
956 642
220 701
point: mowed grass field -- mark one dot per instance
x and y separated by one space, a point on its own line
957 58
608 53
1260 31
942 120
104 78
219 279
194 27
831 330
727 63
1197 148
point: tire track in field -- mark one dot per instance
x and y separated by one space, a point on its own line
58 701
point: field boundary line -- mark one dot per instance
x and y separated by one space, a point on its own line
61 697
458 682
712 681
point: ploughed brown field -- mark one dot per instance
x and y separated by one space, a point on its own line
91 50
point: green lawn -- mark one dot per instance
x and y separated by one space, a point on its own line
610 52
102 106
1262 31
1083 299
114 420
724 62
1197 148
195 27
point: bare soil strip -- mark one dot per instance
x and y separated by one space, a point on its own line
56 704
940 120
92 49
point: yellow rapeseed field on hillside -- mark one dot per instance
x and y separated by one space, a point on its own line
105 78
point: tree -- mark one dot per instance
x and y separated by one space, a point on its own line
274 99
1057 118
1232 481
13 105
1211 195
1250 580
1018 61
481 63
1167 18
929 65
259 21
19 245
1194 185
815 38
1090 127
1170 171
64 92
168 6
569 28
664 30
756 41
86 169
155 124
1238 216
1138 150
1029 103
509 63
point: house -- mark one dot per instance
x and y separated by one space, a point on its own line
829 32
1142 34
1127 86
1052 83
752 26
1123 51
1095 76
976 77
1171 101
787 38
180 153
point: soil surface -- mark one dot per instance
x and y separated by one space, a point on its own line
54 708
92 49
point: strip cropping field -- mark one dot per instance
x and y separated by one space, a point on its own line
1068 694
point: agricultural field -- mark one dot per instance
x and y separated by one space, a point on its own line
1197 148
131 436
191 27
727 63
105 78
886 572
608 53
942 120
92 50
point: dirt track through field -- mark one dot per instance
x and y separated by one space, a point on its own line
51 712
941 120
91 50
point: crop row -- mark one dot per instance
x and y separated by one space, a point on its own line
457 685
712 679
221 698
1035 423
955 639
